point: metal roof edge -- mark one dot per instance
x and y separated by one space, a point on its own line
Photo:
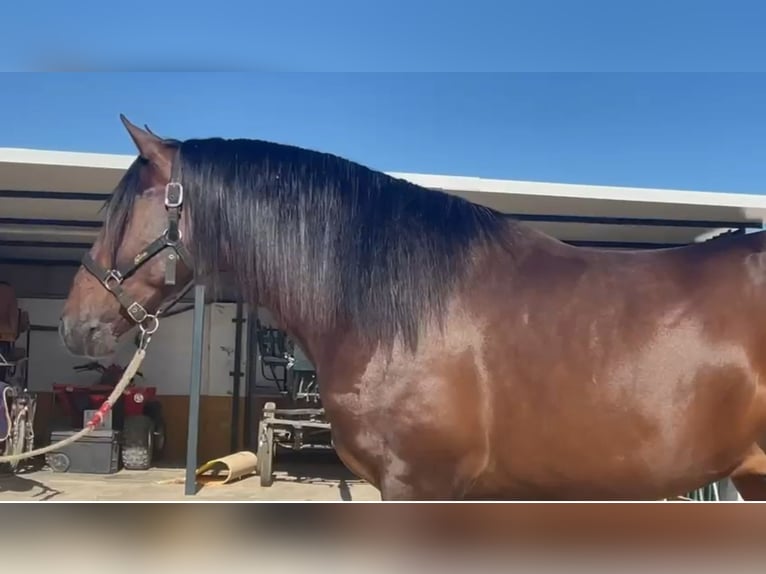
65 158
468 184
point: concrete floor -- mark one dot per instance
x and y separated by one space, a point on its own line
293 480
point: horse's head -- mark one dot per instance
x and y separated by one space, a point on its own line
138 262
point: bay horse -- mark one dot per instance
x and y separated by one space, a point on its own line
462 354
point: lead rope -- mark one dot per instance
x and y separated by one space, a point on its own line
98 416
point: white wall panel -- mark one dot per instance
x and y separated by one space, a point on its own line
168 361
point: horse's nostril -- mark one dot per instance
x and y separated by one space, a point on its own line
92 332
82 332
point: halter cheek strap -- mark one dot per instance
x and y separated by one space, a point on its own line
112 279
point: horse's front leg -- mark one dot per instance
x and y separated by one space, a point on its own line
749 477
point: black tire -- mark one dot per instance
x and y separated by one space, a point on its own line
58 461
137 443
153 410
159 438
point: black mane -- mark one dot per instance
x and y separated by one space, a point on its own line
323 237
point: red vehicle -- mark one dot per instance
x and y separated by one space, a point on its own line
137 413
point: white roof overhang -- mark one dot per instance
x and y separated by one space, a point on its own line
50 202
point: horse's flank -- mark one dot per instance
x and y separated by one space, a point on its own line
650 348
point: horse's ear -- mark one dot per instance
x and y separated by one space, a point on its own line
150 147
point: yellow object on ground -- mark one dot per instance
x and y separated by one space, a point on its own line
224 470
228 468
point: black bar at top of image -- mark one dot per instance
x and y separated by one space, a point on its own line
62 195
91 224
638 221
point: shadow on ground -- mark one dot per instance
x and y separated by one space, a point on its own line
16 482
315 467
303 475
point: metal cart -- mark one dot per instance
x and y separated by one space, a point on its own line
301 425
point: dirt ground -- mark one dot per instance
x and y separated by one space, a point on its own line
306 479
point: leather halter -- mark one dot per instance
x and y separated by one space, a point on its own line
112 279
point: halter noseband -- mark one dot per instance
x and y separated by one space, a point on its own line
112 279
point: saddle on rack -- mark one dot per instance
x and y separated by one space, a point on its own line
6 397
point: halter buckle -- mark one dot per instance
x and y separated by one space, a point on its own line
137 313
174 194
112 279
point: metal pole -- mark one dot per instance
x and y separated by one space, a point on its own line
249 378
195 388
237 374
29 351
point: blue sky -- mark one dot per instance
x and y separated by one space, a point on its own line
552 105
